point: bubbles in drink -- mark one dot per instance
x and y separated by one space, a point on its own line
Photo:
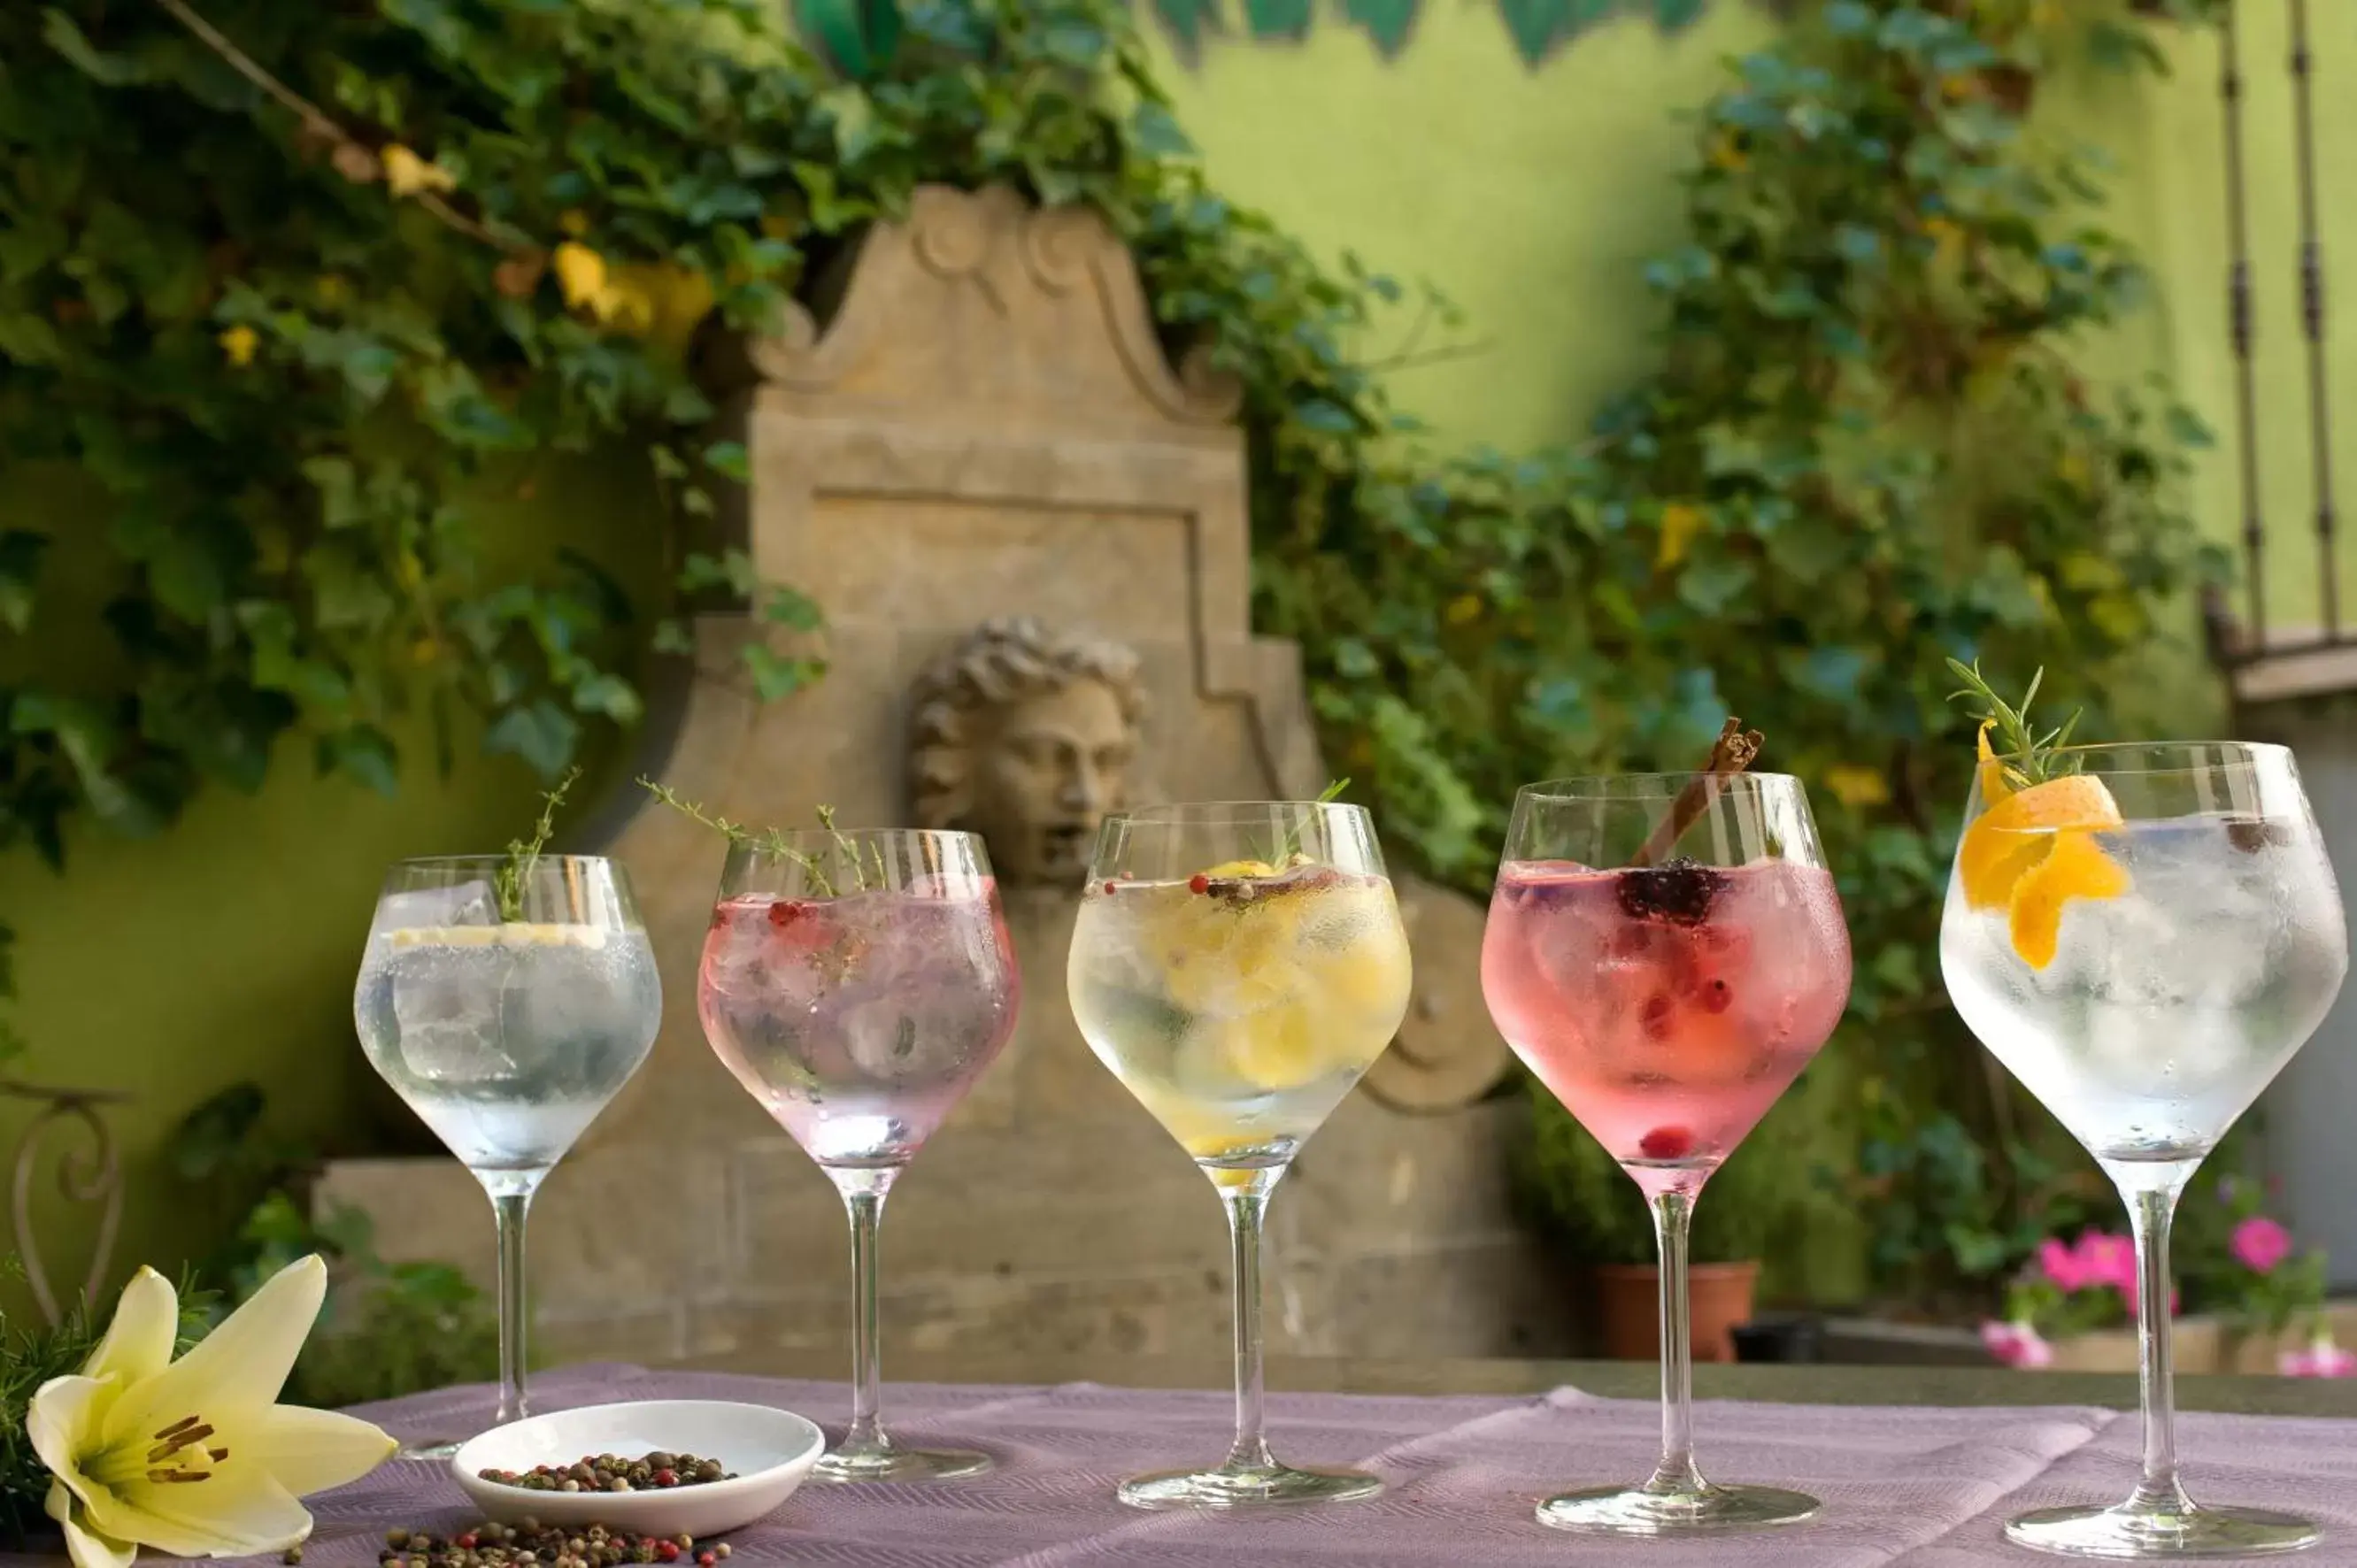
2167 1009
859 1022
1667 1006
507 1040
1240 1008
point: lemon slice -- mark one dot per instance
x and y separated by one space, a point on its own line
515 935
1277 1047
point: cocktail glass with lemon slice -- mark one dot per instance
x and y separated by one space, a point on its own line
2143 935
506 1003
1238 967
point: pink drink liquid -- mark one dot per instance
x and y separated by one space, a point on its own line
1667 1008
859 1022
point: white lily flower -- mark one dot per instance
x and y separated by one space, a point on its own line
195 1457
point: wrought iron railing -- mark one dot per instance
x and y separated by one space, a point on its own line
88 1173
2241 630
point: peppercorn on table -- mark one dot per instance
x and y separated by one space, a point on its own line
1922 1486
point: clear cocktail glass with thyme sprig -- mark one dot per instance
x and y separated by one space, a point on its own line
858 982
507 999
2143 935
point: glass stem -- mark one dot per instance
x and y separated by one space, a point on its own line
1247 1208
1673 1211
511 1202
863 1195
2151 1210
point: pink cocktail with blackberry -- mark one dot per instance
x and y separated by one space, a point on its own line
1667 1007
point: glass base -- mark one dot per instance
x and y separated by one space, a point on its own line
2124 1531
1254 1486
897 1464
1634 1511
435 1451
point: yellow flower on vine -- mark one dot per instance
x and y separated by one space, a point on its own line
239 343
1463 610
1680 521
407 173
1727 153
573 221
580 272
1858 786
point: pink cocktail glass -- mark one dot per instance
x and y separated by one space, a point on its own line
857 983
1667 1003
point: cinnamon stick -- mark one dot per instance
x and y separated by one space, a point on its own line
1730 754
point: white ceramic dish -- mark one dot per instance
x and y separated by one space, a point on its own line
770 1452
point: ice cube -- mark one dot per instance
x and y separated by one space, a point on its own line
448 1017
421 908
553 1006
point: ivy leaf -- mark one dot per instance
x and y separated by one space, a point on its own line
1188 20
1284 19
728 460
541 733
1387 22
59 31
672 635
608 695
1155 131
364 753
776 675
1676 16
1534 25
20 568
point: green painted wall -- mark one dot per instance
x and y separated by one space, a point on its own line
225 948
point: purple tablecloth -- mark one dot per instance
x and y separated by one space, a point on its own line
1926 1487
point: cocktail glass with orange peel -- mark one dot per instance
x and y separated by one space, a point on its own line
1239 967
2143 935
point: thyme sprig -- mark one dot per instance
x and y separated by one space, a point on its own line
510 880
778 846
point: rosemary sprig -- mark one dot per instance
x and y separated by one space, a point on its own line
509 881
777 845
2028 757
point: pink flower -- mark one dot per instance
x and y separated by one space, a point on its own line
2061 1267
2016 1344
2322 1358
2259 1243
2108 1260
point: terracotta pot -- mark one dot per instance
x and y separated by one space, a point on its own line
1627 1300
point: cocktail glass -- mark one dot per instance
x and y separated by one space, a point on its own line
858 983
1666 952
507 1024
2144 939
1238 967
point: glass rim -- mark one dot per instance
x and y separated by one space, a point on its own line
1184 813
832 838
467 860
2248 750
1598 787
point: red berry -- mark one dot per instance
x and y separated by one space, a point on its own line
1716 995
1110 887
666 1478
667 1549
465 1542
704 1560
1655 1018
1199 882
784 912
1666 1143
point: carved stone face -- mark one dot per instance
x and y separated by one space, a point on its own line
1044 774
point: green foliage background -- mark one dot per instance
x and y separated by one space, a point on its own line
1868 448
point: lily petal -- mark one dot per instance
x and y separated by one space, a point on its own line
235 1372
138 1342
311 1450
87 1547
64 1413
236 1511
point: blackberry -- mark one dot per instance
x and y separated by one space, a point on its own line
1679 891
